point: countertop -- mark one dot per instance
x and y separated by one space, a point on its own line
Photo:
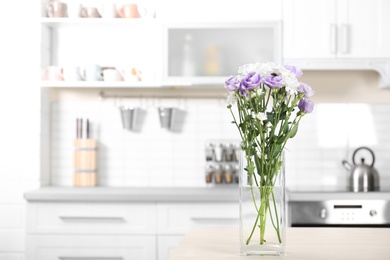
179 194
136 194
301 244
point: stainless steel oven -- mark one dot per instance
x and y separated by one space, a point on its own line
339 209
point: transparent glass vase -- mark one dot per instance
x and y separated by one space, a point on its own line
262 208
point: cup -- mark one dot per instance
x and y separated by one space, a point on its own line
90 12
147 11
128 11
109 11
92 73
131 74
56 9
52 73
72 73
112 75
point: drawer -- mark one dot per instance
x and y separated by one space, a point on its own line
166 244
91 218
178 218
81 247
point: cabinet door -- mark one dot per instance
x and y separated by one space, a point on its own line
309 28
54 247
178 218
165 245
91 218
363 28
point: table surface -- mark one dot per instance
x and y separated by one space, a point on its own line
301 244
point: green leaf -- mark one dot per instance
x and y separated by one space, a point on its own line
281 139
276 150
293 131
250 167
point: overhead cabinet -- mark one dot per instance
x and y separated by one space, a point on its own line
336 29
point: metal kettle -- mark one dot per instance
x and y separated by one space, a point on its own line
363 177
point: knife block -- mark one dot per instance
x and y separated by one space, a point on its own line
84 163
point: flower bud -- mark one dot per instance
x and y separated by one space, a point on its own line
305 105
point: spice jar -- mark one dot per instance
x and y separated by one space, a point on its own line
229 152
236 173
228 173
209 152
237 151
209 170
218 152
218 174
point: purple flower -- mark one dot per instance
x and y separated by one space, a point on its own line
305 89
232 84
273 81
297 71
305 105
251 81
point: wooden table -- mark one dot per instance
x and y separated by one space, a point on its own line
302 244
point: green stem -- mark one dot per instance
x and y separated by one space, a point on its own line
253 230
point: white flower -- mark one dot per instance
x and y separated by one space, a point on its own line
267 68
259 116
291 91
258 92
291 83
248 68
232 98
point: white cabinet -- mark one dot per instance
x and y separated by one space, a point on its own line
91 231
336 29
83 247
111 230
178 218
83 218
209 52
165 245
308 28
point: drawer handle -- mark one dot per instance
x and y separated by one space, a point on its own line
95 219
200 219
89 258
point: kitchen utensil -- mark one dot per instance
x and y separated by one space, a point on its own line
52 73
129 117
56 9
84 162
92 73
131 74
72 73
112 75
90 12
128 11
363 177
167 117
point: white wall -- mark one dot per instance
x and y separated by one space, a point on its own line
155 157
19 113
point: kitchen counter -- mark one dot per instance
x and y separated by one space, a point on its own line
339 195
136 194
182 194
302 244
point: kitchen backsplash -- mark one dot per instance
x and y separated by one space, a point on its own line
155 156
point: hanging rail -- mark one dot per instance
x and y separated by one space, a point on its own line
103 96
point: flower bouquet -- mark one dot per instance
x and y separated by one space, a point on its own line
270 103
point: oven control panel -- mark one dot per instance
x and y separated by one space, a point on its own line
340 212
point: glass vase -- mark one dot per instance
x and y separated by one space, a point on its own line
262 207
